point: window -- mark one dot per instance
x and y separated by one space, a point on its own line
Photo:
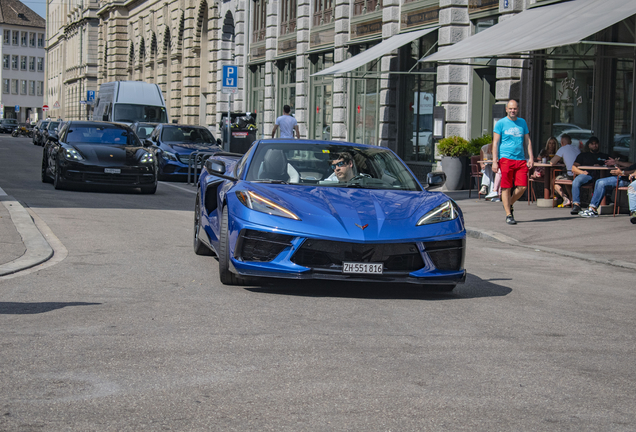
32 88
7 37
14 61
32 64
40 40
6 61
14 86
23 63
25 39
32 40
260 20
323 12
23 87
40 88
287 85
322 99
288 16
16 38
6 86
40 64
361 7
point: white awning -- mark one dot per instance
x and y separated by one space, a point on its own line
377 51
540 28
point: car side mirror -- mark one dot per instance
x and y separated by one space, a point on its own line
54 138
146 143
215 166
219 142
435 179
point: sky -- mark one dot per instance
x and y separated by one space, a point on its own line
37 6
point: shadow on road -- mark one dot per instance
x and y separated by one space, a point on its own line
14 308
474 287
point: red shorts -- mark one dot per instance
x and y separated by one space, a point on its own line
513 172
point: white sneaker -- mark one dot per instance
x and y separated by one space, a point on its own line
483 190
492 195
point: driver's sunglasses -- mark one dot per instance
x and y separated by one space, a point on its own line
339 164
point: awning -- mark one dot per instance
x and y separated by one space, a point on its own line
377 51
540 28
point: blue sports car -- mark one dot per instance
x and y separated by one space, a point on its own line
304 209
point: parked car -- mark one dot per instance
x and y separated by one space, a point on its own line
38 131
174 143
276 212
559 128
8 125
579 136
622 144
50 130
98 153
143 129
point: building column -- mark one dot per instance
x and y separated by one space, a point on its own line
271 37
508 84
387 131
452 80
303 66
340 83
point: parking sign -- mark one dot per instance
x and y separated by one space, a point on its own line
230 79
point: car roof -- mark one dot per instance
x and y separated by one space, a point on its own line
88 123
310 141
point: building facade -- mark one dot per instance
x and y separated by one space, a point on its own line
357 70
23 54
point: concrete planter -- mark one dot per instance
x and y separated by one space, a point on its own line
454 169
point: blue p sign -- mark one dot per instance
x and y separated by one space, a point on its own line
230 76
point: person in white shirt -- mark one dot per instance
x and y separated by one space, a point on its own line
567 153
287 124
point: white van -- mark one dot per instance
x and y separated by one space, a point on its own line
130 101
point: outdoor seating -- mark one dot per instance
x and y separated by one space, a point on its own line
475 176
532 195
617 206
555 181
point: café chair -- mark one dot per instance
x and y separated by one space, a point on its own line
617 206
475 176
532 195
564 182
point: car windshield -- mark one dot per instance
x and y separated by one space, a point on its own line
10 121
44 125
330 165
187 134
52 125
130 113
100 135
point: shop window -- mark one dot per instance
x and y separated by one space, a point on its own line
568 90
363 124
7 37
623 105
257 91
321 105
287 86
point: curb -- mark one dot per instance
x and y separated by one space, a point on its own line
494 236
37 248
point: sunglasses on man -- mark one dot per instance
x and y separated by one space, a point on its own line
339 164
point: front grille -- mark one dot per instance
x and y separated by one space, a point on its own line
331 254
114 179
447 255
260 246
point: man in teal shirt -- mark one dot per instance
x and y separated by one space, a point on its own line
509 137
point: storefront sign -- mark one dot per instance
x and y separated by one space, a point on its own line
420 17
366 29
568 93
479 5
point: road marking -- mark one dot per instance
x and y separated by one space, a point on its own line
2 192
179 187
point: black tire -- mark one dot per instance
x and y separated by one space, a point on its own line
199 247
58 183
149 189
45 176
14 134
226 276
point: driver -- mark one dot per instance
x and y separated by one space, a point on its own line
342 167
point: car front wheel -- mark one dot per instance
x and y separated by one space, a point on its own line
58 183
45 176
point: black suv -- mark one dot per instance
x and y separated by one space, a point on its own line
8 125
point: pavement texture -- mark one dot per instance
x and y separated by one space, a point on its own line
604 239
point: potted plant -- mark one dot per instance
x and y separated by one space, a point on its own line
454 151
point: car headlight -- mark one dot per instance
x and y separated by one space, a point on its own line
147 158
442 213
168 156
256 202
72 154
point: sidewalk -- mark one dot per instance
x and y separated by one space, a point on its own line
605 239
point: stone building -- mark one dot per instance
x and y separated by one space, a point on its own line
22 51
353 70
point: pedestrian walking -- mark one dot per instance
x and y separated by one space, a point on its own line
287 124
509 137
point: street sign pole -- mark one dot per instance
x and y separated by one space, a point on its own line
229 86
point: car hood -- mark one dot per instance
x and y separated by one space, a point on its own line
104 154
190 147
349 203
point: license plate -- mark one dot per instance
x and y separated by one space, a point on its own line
362 268
112 170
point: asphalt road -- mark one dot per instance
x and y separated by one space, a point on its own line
132 331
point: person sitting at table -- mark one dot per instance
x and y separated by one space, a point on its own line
606 185
590 157
567 153
487 176
631 195
544 155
